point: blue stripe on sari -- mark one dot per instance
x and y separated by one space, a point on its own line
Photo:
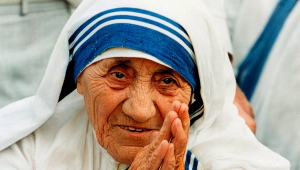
194 119
187 160
85 24
195 164
134 18
251 68
143 39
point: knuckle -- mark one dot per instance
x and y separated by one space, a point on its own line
179 159
152 148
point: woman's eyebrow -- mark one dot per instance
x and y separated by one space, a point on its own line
166 71
118 61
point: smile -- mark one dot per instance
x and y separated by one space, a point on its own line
132 129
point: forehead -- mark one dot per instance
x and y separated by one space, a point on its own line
138 63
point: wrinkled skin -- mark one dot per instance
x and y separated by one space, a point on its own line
139 110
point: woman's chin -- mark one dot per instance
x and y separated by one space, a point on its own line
122 144
125 154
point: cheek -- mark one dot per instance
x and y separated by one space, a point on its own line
186 94
101 101
164 103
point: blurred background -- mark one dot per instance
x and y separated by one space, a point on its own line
29 30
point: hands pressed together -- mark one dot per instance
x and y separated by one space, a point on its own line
168 146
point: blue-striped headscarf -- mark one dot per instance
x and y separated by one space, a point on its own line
136 29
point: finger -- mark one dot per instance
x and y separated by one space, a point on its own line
153 135
156 158
176 106
165 131
146 159
180 139
183 115
169 160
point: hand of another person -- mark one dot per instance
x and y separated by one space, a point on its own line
245 109
160 153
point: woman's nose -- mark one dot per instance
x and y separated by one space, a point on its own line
140 106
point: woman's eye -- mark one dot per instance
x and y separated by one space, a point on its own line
118 75
167 86
168 81
119 79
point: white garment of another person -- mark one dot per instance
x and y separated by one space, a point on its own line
276 99
26 44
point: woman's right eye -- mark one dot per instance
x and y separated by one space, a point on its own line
118 80
118 75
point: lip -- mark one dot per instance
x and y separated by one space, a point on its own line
135 131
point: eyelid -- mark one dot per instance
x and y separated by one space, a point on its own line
175 81
159 78
118 83
171 76
114 72
123 68
118 65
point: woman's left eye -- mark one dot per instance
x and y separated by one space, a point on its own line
167 86
118 75
168 81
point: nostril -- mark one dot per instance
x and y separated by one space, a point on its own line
140 111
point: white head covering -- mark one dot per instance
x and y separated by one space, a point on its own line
63 137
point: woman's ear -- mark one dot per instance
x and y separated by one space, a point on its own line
79 85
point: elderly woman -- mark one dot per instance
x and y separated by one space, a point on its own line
134 85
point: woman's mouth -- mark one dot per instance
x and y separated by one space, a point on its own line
132 129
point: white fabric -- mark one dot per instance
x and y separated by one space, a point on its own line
217 8
62 137
276 98
125 52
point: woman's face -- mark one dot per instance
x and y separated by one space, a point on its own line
127 100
